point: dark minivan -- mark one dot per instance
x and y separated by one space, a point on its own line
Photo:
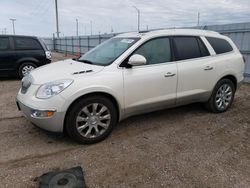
21 54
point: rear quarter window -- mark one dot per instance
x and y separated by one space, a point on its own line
4 43
26 44
220 46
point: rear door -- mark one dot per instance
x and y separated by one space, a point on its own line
6 54
196 69
28 48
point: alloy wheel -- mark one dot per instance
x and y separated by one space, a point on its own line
223 97
26 69
93 120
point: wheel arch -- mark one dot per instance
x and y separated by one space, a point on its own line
26 60
232 78
100 93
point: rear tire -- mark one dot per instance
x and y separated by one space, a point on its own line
25 69
91 119
222 96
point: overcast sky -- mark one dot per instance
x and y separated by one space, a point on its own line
37 17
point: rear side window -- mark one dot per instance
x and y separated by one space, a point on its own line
220 46
4 43
156 51
26 44
189 48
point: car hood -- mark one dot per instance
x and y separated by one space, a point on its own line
66 69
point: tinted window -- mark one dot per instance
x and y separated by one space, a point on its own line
220 46
156 51
26 44
188 48
4 43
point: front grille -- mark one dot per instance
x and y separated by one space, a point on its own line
26 82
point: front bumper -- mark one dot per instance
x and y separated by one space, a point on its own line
53 123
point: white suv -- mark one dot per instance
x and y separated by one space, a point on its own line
130 74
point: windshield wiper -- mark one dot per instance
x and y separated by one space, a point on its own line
85 61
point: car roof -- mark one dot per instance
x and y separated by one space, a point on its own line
169 32
26 36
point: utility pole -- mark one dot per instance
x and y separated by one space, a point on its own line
91 31
5 30
198 22
138 22
13 24
57 24
76 27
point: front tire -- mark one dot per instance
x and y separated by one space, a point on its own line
91 119
25 69
222 96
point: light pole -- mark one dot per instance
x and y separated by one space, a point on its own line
57 24
91 31
76 27
138 12
198 21
13 24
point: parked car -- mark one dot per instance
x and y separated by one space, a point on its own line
131 74
21 54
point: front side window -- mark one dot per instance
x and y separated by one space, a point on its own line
22 43
4 43
107 52
220 46
156 51
188 48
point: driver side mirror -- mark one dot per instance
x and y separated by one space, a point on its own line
136 60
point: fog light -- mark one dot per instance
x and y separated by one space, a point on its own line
41 114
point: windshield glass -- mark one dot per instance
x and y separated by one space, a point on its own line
107 52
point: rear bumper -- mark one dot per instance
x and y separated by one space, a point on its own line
52 124
239 84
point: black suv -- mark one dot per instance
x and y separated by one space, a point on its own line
21 54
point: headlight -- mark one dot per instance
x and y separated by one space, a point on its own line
52 88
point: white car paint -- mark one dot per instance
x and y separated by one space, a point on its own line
136 90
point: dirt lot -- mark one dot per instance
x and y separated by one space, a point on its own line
181 147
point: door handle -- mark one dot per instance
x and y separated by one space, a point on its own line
208 68
169 74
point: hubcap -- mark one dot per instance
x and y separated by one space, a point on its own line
223 97
93 120
26 69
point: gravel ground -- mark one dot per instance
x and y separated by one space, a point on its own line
180 147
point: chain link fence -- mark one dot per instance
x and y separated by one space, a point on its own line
238 32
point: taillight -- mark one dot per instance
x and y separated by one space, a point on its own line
48 54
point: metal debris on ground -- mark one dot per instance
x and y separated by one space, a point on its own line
70 178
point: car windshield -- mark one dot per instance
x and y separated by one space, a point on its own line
105 53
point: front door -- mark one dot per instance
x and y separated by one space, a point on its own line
152 86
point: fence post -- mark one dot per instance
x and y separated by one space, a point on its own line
88 43
72 45
99 39
66 41
54 42
80 45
